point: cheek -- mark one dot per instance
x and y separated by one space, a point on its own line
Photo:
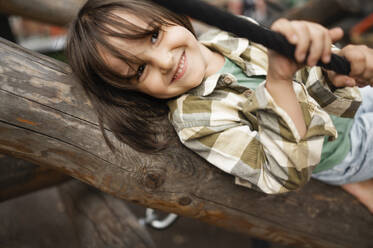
153 87
198 69
181 36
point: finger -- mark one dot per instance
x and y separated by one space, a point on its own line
362 62
319 43
327 52
357 59
335 34
303 43
343 81
368 72
284 27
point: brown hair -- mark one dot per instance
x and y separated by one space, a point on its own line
132 116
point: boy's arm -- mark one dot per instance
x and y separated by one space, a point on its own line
284 96
308 38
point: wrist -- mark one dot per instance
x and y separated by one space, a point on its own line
278 82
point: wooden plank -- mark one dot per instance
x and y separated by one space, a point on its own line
46 119
101 220
37 220
72 215
19 177
58 12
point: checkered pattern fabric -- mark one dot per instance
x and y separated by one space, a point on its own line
244 133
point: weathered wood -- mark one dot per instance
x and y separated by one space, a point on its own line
45 118
19 177
101 220
58 12
37 220
324 12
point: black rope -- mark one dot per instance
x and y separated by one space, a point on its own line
242 28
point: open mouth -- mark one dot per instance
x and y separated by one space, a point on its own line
181 68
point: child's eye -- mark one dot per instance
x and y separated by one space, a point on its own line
155 35
140 71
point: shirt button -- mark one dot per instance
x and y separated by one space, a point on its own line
247 92
228 80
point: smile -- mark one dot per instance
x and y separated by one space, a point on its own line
181 68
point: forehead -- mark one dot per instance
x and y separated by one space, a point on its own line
135 22
131 47
131 18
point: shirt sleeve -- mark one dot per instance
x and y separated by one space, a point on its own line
342 102
257 141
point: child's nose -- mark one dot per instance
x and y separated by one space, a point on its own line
164 61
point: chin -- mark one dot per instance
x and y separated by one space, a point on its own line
198 81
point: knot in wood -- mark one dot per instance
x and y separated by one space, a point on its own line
153 180
184 201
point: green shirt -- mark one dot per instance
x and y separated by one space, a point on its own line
249 82
333 152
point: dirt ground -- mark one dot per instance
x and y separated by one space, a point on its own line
39 220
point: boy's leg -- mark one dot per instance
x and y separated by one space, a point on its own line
363 191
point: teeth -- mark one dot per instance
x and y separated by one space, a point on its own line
180 68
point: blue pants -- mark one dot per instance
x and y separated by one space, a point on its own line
358 164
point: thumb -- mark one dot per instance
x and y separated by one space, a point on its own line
343 81
335 34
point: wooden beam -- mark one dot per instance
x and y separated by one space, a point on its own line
46 118
101 220
59 12
19 177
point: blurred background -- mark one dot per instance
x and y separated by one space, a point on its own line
35 215
354 16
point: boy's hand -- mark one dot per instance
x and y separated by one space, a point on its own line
361 59
309 39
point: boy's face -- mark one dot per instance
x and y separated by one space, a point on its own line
174 61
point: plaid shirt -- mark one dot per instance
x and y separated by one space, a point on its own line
244 133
